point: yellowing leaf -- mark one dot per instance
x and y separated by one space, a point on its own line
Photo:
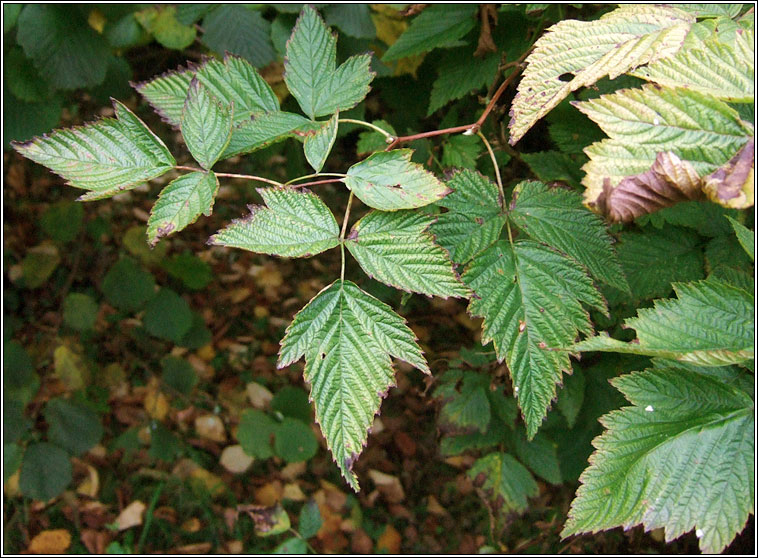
70 368
155 403
52 541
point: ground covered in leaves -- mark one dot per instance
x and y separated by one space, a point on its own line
174 349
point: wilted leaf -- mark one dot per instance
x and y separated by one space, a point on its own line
70 368
269 521
732 185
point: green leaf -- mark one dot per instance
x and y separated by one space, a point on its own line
105 157
45 471
79 311
539 455
294 441
239 30
474 218
193 272
231 81
530 298
180 203
13 456
712 68
294 224
347 337
72 426
571 397
255 433
15 423
674 253
318 145
22 121
461 151
293 545
162 24
387 180
167 316
66 51
127 286
178 374
352 19
20 381
311 73
293 402
680 458
745 236
710 323
310 520
38 264
22 78
197 336
465 405
436 26
505 484
62 221
703 133
206 125
263 130
459 444
459 73
550 166
556 217
623 39
396 249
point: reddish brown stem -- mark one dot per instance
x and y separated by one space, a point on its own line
315 182
470 128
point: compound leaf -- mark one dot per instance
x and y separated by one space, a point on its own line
712 68
530 298
395 248
504 483
387 180
474 218
180 203
206 125
709 323
104 157
311 73
293 224
556 217
318 145
662 140
681 458
586 51
436 26
347 337
231 81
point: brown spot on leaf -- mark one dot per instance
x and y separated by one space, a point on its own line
731 185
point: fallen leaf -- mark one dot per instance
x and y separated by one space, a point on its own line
293 492
293 470
192 525
155 403
205 480
405 443
259 395
91 483
206 352
388 485
53 541
195 548
434 507
269 494
269 520
131 515
361 543
210 427
70 368
235 460
389 541
95 541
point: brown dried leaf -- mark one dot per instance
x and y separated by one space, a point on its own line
210 427
95 541
235 460
388 485
668 181
131 516
389 541
732 184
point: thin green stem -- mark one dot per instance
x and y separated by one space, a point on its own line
302 538
494 164
374 127
149 518
233 175
315 175
342 235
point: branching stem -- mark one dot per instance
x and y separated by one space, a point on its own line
315 175
470 129
233 175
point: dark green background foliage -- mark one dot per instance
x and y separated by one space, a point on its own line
116 332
